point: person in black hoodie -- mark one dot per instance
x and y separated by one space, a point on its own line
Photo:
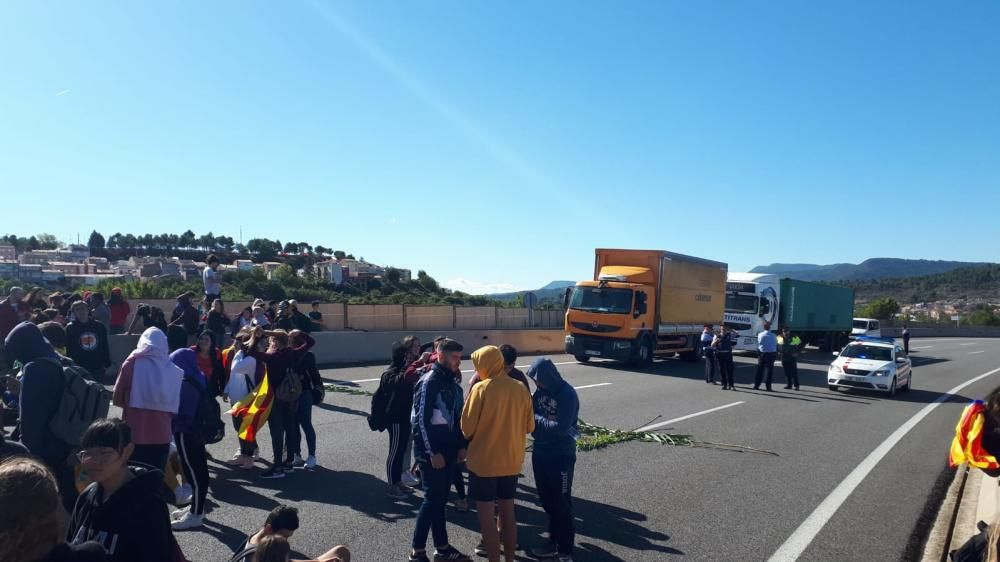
87 342
42 385
397 416
125 508
33 520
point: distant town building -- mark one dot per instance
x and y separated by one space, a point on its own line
331 271
8 252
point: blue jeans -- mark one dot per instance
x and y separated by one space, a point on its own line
431 517
304 420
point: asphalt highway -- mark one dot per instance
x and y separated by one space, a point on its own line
839 476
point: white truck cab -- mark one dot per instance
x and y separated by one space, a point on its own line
866 327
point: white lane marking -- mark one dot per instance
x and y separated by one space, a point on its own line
526 366
975 352
803 536
689 416
971 343
592 385
473 371
921 346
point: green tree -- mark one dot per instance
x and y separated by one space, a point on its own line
882 308
187 239
47 241
33 244
322 250
393 275
983 317
96 241
339 255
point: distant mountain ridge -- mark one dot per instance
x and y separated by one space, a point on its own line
553 292
874 268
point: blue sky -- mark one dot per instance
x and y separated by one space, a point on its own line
496 144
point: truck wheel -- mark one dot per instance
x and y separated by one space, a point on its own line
644 355
582 358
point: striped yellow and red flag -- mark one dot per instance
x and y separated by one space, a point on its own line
254 410
967 446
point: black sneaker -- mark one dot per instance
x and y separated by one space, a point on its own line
545 550
273 473
422 557
481 549
450 554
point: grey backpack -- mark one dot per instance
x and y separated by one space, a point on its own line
81 402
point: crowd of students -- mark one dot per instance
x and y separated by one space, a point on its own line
113 479
420 402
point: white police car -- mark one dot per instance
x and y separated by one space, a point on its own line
871 364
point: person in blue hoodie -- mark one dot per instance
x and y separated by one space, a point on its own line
41 387
553 456
438 445
190 446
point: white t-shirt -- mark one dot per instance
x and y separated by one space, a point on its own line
211 280
241 377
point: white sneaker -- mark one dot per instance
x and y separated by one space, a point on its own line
189 521
178 513
409 480
311 462
183 494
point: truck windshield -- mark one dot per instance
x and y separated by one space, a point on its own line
875 353
861 324
741 304
594 299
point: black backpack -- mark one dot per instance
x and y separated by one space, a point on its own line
208 416
377 419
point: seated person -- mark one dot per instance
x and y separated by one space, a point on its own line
283 521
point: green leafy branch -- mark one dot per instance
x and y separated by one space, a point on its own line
346 390
594 437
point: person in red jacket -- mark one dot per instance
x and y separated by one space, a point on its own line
120 310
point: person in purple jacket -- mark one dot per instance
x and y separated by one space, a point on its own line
190 446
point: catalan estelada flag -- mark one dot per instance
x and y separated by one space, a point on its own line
967 447
254 410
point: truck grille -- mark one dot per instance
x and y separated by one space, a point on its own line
592 344
599 328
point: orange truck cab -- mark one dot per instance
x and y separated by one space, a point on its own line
644 303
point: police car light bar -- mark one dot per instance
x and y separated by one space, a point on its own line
883 339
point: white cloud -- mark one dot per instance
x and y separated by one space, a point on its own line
62 93
479 287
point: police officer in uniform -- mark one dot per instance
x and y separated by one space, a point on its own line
790 347
723 346
767 345
707 335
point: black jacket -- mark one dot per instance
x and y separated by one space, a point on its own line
399 393
133 524
87 345
41 386
437 415
307 371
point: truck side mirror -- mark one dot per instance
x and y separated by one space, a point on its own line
566 294
640 304
765 307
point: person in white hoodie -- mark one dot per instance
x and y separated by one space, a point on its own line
148 390
242 382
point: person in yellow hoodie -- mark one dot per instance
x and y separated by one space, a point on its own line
496 419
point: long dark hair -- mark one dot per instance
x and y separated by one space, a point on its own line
399 352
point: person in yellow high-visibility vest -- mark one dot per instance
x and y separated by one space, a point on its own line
790 347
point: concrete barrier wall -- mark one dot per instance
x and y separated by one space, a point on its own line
946 332
339 316
364 347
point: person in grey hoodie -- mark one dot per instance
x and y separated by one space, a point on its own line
553 457
42 385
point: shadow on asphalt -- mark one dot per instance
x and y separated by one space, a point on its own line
341 409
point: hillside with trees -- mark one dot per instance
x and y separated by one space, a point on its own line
979 283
